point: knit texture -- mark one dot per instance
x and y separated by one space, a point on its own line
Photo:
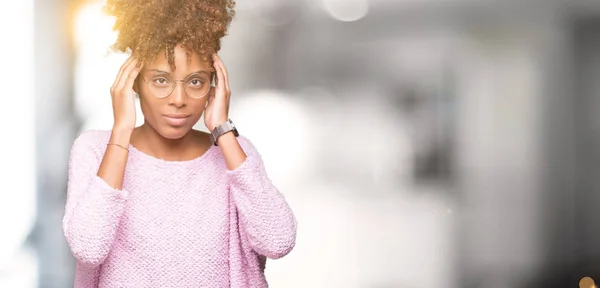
175 223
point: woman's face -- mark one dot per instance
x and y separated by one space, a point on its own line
173 114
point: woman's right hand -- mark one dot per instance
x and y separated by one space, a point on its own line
122 94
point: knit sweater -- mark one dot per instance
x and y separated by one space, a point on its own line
174 223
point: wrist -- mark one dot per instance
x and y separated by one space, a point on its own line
226 138
120 136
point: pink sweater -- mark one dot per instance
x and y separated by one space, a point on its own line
175 223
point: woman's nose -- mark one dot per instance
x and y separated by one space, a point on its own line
178 97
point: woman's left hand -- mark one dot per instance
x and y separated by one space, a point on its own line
217 109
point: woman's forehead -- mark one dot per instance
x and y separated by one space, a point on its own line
185 61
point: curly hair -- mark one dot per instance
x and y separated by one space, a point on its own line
148 27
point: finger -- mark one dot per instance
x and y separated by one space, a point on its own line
225 76
123 68
118 78
211 101
133 73
225 81
211 96
119 82
220 78
126 75
215 60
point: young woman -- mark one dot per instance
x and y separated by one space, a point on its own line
162 204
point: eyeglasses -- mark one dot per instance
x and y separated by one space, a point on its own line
195 86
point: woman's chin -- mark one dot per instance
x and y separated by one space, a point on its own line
174 132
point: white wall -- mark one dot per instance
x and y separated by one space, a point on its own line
17 148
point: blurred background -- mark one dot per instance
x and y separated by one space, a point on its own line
421 143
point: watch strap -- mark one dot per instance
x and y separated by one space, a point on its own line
222 129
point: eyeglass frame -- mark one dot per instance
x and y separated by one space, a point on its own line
212 77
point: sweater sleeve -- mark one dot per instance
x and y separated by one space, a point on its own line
264 213
93 208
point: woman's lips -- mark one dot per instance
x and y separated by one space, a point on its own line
176 119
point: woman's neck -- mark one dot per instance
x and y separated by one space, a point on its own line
149 141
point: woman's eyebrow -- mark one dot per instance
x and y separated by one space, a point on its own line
200 72
159 71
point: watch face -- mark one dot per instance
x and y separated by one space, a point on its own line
230 124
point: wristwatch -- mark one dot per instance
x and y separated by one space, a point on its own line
222 129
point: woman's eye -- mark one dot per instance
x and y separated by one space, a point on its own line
196 82
161 81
